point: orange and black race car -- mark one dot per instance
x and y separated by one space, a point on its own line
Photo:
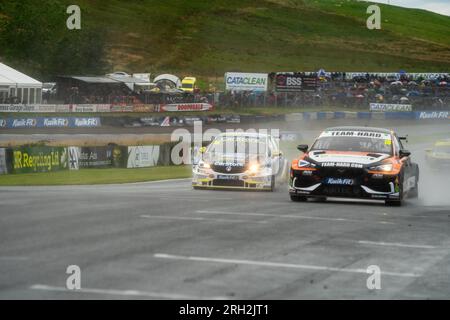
355 162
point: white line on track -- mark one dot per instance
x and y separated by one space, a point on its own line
290 216
278 265
7 258
201 219
132 293
394 244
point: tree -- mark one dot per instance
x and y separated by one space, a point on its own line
36 40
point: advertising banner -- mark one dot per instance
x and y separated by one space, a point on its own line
120 108
292 82
424 115
46 108
387 107
21 123
144 108
185 107
74 156
53 122
238 81
142 156
85 122
38 159
3 167
17 108
95 157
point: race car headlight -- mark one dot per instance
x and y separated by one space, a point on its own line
383 167
304 164
204 165
254 168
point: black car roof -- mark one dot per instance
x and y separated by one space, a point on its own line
355 128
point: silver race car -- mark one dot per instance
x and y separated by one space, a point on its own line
250 161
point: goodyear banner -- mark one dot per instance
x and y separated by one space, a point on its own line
239 81
38 159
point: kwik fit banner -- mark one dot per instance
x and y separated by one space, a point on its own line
38 159
53 122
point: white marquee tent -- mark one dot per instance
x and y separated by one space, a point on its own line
16 84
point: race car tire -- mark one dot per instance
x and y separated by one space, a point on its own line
414 193
298 198
393 203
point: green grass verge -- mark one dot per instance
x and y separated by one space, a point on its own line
208 38
96 176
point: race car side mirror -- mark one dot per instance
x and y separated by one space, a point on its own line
303 147
277 154
404 153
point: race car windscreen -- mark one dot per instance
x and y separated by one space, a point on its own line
239 145
355 144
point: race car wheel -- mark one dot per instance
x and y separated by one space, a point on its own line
394 203
298 198
414 193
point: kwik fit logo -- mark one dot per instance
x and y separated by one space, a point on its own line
56 122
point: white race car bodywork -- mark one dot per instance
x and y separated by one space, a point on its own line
230 170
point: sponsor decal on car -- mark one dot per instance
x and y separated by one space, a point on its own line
358 134
339 181
342 165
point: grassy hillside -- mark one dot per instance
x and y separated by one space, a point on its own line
198 37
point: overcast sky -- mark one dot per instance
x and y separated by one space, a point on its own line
438 6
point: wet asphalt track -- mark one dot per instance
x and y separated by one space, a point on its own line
163 240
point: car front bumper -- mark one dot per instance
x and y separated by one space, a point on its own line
214 180
364 186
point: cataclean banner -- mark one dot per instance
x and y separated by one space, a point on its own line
239 81
38 159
